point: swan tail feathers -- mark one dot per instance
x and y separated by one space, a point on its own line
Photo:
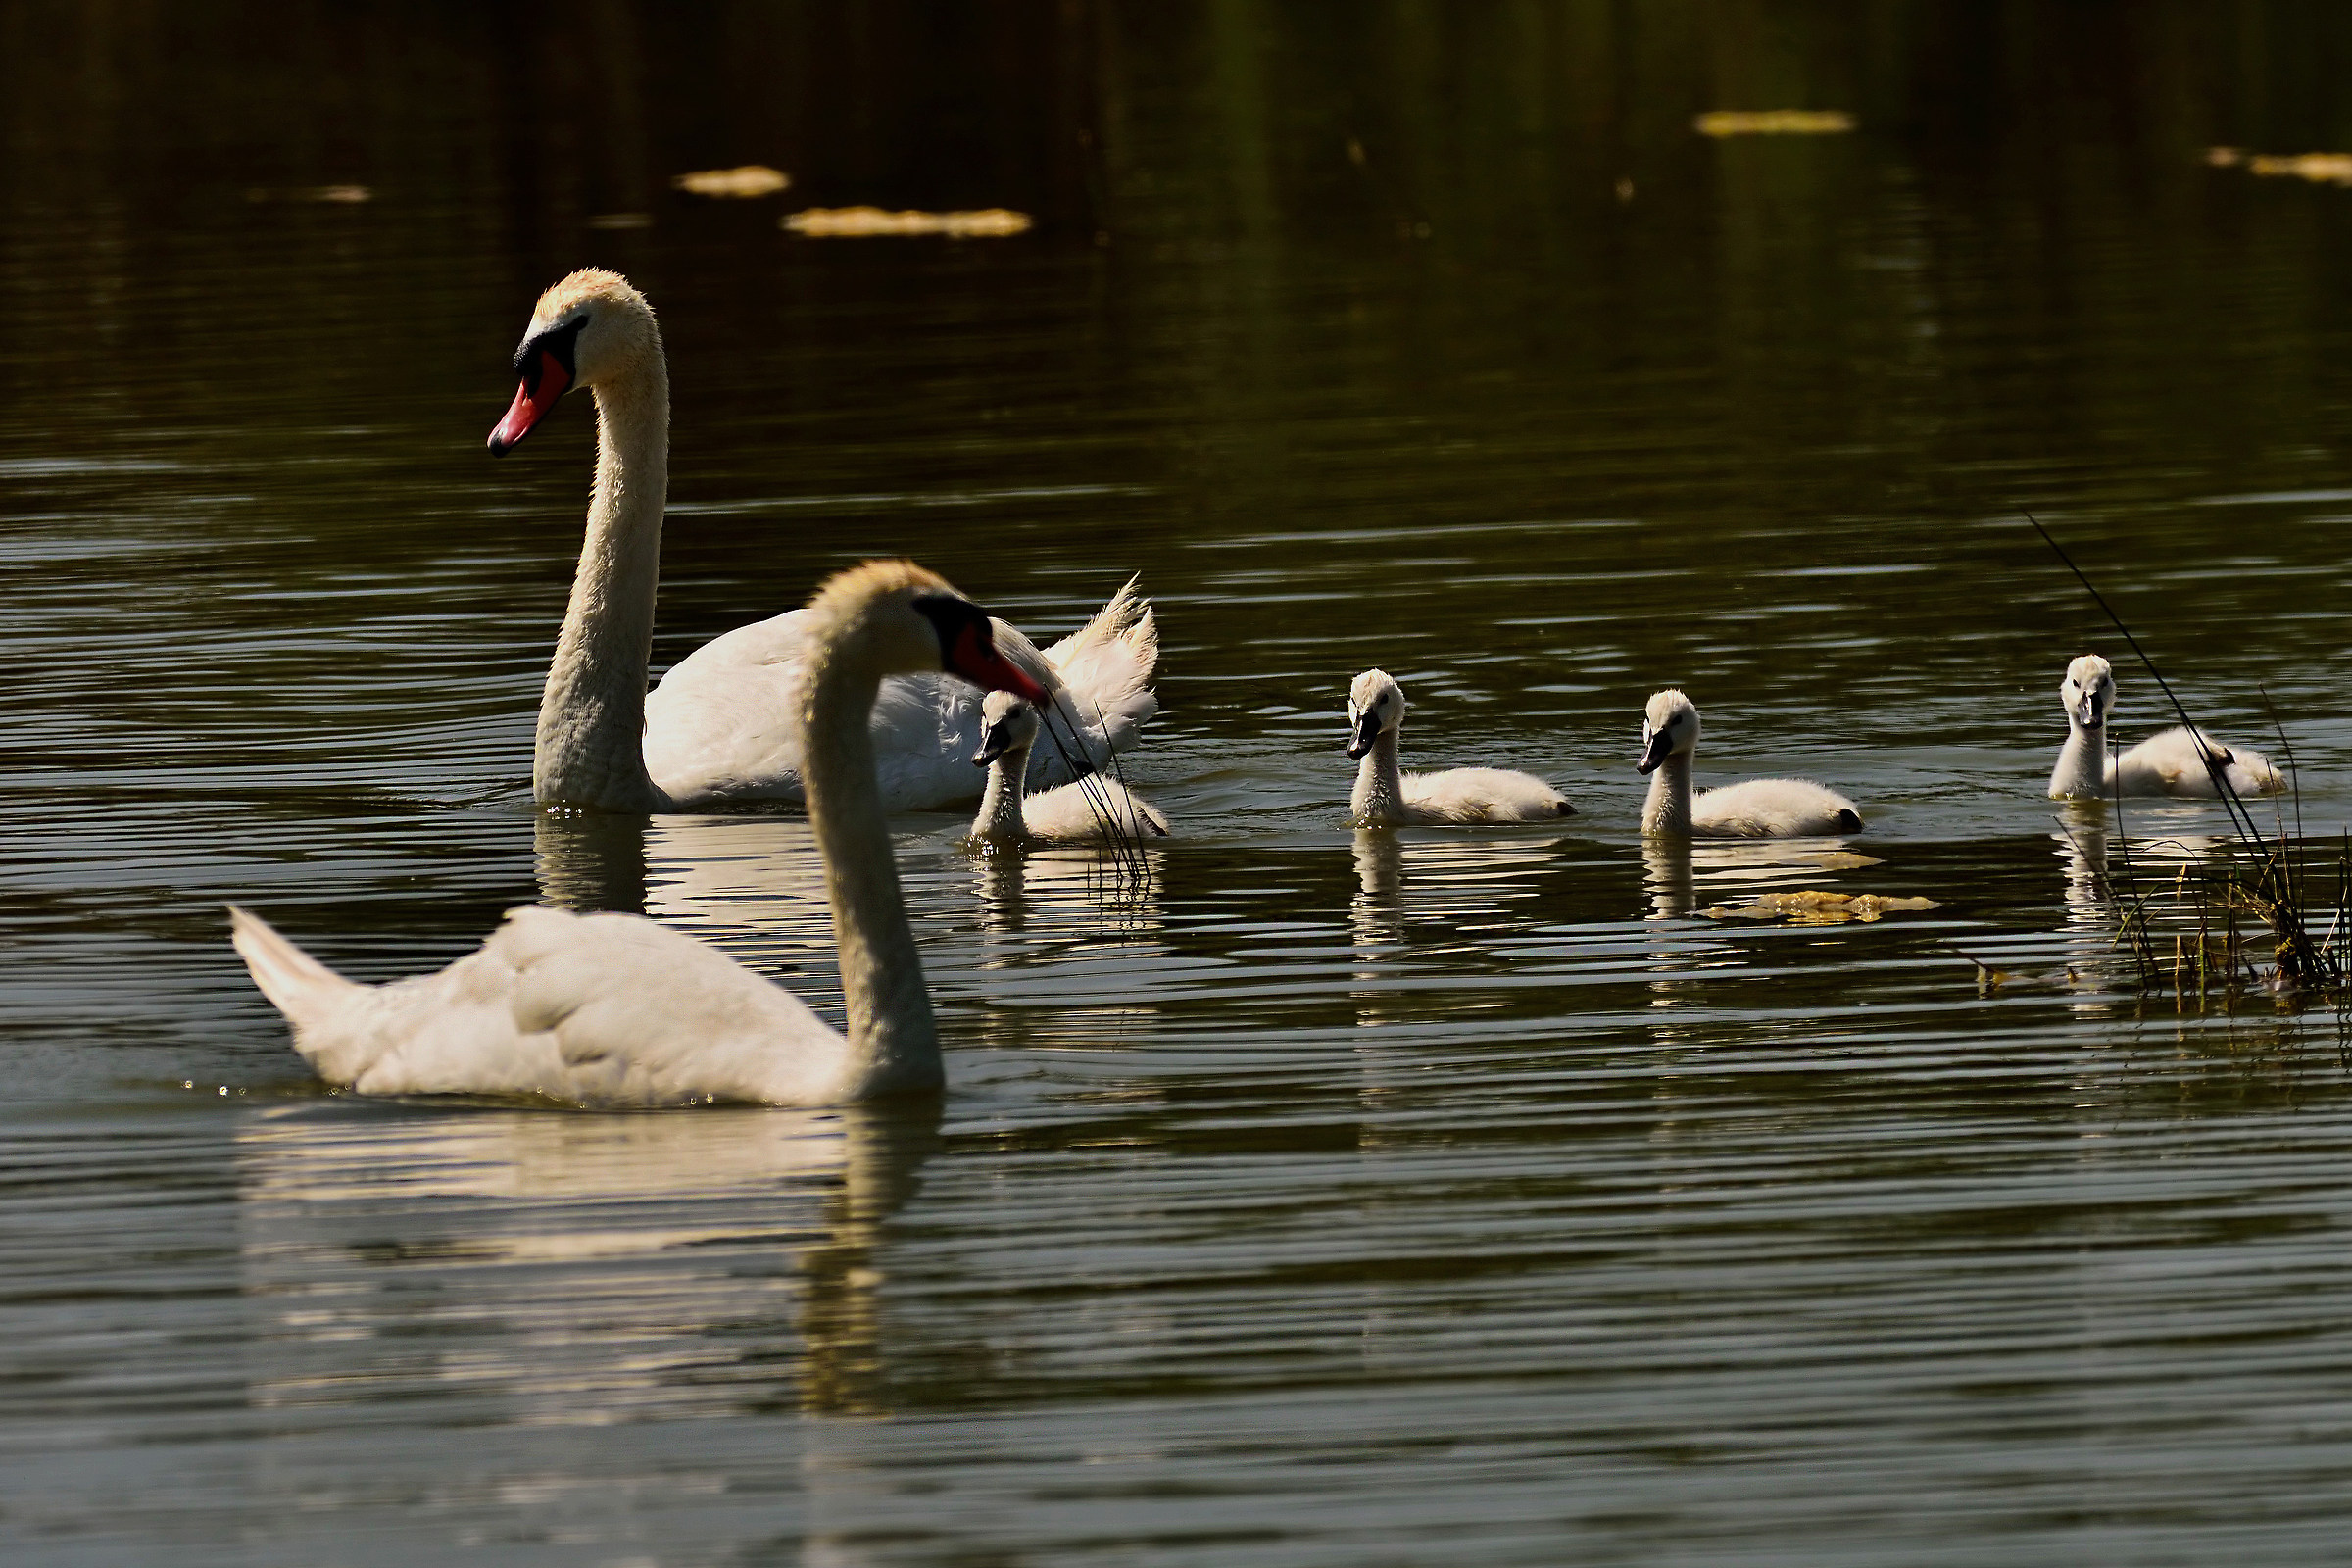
297 985
1107 665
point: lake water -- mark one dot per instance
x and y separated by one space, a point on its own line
1315 1198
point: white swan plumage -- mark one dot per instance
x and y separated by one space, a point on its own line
2171 761
1096 809
1755 808
615 1009
1461 797
718 728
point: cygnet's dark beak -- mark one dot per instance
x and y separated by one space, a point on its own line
992 746
1654 750
1367 730
2086 712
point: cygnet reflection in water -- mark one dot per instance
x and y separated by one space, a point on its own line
1682 876
567 1236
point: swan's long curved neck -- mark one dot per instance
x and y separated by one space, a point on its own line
894 1044
1000 799
2083 765
591 743
1379 785
1667 809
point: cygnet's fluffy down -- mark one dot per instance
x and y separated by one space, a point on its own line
1758 808
2168 762
1094 810
1386 797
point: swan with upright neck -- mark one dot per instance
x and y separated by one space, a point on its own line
2179 762
717 729
1756 808
1094 810
1459 796
615 1009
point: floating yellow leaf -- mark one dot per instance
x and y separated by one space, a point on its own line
743 183
857 222
1818 908
2320 168
1839 859
1775 123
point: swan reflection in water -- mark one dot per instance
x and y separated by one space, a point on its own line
554 1268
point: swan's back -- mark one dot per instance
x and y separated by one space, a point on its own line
604 1009
1068 815
718 726
1773 808
1473 795
2169 763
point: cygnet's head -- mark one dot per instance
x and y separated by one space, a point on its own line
1375 705
893 618
1669 728
2088 692
589 329
1006 726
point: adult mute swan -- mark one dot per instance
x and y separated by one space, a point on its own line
718 727
2169 763
613 1009
1093 810
1758 808
1460 796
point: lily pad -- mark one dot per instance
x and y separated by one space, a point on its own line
1818 908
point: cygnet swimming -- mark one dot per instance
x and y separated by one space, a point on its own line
1460 796
1095 808
2169 763
1759 808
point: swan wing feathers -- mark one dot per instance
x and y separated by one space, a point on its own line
1470 794
718 727
1773 809
2170 763
643 1015
608 1009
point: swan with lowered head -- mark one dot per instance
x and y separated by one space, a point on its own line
1097 809
1460 796
1758 808
2171 761
615 1009
718 727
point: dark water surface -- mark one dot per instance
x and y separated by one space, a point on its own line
1316 1199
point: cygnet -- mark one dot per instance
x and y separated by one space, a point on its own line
1094 810
1460 796
1759 808
2169 763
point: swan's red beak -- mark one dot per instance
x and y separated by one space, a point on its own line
975 658
533 399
